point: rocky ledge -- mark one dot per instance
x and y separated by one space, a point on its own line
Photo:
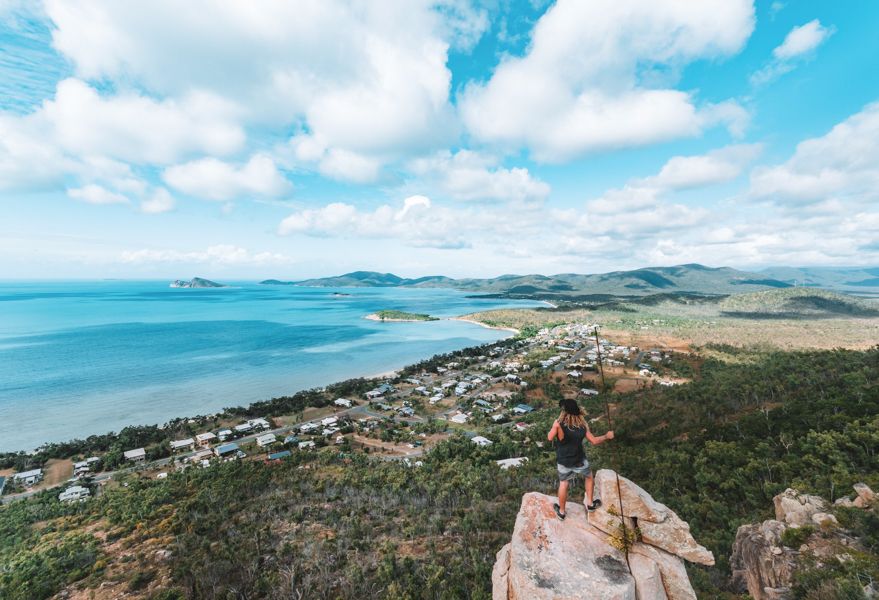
581 557
767 555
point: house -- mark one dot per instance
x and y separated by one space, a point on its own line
136 455
243 428
205 439
422 390
380 391
259 423
201 455
229 450
481 441
499 418
340 439
522 409
266 440
406 411
224 434
291 439
482 403
305 445
343 402
459 418
506 463
75 493
589 392
308 427
279 455
28 478
522 426
436 398
188 443
329 431
574 374
329 422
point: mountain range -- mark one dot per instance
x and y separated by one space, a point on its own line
688 278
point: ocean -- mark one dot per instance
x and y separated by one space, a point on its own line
79 358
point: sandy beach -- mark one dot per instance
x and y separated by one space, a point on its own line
510 329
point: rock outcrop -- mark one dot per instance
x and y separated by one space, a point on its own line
764 566
580 557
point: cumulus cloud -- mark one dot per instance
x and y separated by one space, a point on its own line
159 202
217 180
219 255
365 78
95 194
800 42
581 84
841 165
468 175
417 222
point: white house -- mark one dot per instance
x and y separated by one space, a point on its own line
589 392
182 444
136 455
329 421
266 440
481 441
506 463
459 418
308 427
259 423
75 493
343 402
224 434
205 439
29 478
243 428
306 444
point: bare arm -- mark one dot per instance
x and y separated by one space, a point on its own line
556 432
598 439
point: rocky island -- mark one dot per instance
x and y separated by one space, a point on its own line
196 282
399 316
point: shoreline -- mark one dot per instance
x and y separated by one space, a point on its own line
386 374
375 317
485 325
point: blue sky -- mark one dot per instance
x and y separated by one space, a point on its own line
292 140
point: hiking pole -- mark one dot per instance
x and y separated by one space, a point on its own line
613 455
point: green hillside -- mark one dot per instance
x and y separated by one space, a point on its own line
690 278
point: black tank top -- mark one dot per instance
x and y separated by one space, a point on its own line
569 452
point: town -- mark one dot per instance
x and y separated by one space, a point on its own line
399 418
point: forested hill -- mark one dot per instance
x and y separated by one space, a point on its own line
691 278
341 524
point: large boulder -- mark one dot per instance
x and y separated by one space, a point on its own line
796 509
657 524
575 558
552 559
760 563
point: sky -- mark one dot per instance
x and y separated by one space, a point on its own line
246 140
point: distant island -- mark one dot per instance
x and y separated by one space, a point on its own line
196 282
399 315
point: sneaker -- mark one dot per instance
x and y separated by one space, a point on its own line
595 504
559 513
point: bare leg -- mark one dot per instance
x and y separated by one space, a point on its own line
563 495
590 486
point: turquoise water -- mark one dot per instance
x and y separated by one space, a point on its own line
78 358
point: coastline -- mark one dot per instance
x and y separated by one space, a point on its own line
375 317
486 325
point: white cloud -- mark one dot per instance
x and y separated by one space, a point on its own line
367 78
417 222
218 255
95 194
159 202
217 180
802 39
580 86
843 165
799 43
467 175
717 166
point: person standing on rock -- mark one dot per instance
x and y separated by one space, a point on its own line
567 433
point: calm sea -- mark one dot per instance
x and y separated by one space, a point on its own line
78 358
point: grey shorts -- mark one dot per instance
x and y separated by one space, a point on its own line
568 473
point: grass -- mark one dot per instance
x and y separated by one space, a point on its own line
399 315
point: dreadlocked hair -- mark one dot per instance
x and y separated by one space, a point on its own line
572 421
